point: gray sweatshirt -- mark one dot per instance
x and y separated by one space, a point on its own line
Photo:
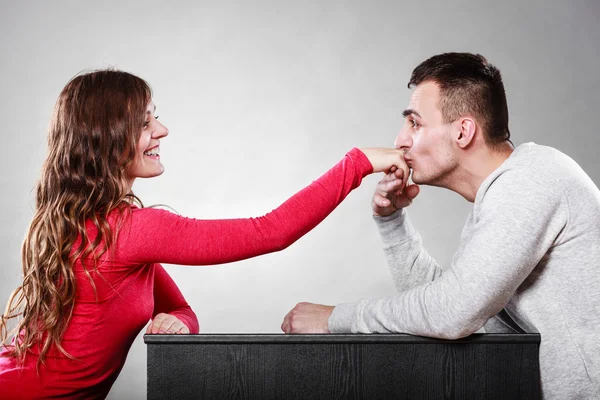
530 246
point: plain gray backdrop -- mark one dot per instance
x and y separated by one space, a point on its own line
263 97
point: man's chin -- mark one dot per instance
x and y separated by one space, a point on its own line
417 179
421 180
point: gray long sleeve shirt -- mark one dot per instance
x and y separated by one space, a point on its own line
531 245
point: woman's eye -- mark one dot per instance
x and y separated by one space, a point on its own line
147 122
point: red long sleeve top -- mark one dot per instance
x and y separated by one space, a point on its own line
134 287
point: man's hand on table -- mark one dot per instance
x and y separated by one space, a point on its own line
307 318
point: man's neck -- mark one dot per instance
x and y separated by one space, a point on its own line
475 167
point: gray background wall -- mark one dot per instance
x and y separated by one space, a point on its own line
261 98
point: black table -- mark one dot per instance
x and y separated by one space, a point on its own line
349 366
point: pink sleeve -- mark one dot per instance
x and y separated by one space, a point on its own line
159 236
169 300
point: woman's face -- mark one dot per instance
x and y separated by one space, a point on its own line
147 159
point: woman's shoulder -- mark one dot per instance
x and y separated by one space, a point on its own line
133 210
142 212
135 217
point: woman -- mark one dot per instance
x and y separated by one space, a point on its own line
92 256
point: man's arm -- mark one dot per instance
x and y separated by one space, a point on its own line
171 314
515 224
513 227
409 262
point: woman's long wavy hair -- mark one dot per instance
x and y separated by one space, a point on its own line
92 141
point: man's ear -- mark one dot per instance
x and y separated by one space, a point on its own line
465 131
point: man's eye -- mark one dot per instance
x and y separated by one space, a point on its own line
414 123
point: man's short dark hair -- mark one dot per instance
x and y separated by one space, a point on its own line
469 86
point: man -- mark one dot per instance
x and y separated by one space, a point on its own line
530 250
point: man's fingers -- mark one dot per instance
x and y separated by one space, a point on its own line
385 189
405 175
285 325
393 185
291 319
307 318
381 201
390 176
389 185
412 191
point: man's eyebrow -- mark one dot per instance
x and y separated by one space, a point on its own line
410 111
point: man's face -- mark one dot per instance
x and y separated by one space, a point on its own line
427 141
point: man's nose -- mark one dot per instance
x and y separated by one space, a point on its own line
403 140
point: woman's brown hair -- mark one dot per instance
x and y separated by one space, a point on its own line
92 141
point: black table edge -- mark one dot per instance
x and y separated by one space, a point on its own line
278 338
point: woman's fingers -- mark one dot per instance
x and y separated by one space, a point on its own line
156 323
385 159
166 323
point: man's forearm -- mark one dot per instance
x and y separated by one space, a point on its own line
409 262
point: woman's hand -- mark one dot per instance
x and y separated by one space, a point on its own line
166 323
388 160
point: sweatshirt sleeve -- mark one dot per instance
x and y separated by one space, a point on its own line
159 236
168 299
516 223
409 262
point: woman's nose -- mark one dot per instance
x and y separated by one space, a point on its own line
161 131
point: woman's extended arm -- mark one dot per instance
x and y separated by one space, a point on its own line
154 235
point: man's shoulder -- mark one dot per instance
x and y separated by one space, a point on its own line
539 157
532 164
530 171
